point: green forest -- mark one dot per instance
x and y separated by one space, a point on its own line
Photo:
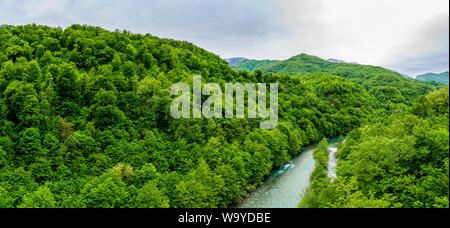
85 123
401 161
398 160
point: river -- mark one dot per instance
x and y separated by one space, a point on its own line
284 187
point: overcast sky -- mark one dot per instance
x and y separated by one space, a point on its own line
409 36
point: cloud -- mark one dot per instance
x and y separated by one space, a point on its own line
35 8
396 34
427 50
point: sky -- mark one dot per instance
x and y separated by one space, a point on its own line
408 36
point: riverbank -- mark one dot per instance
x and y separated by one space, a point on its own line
284 187
324 171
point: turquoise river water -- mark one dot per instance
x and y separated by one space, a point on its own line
284 187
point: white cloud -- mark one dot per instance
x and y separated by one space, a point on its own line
35 8
377 32
427 49
369 31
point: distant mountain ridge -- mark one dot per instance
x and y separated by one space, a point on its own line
234 61
252 65
442 77
340 61
385 84
301 64
336 61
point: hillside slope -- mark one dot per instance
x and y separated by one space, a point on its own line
252 65
85 122
386 85
400 161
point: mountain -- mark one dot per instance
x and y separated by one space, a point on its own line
234 61
340 61
252 65
386 85
86 121
442 77
336 61
393 143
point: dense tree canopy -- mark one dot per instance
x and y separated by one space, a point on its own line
85 121
402 161
388 86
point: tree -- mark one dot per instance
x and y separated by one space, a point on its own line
22 103
6 200
349 196
105 111
41 198
65 129
149 196
124 172
341 140
105 191
13 52
29 147
67 84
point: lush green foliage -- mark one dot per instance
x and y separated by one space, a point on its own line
389 87
252 65
319 177
85 122
400 162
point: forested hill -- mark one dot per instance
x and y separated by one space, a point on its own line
386 85
400 161
85 121
252 65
